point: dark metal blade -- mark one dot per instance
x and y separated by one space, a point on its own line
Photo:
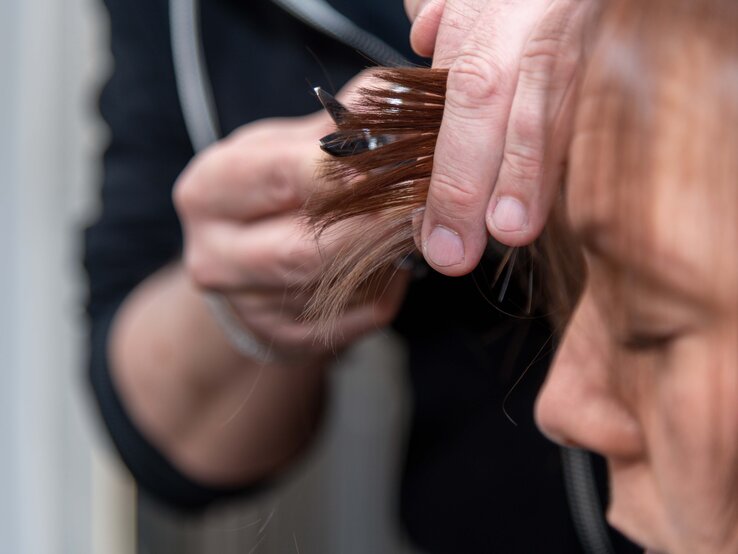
349 143
335 109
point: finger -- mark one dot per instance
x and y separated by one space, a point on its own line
457 19
280 334
262 169
289 303
413 8
539 127
278 252
287 333
274 253
480 90
426 23
368 311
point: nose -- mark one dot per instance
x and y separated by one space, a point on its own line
578 405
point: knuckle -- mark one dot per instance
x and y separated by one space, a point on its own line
546 58
199 269
298 263
546 44
281 183
475 80
538 63
236 164
274 174
555 48
186 194
462 15
451 195
192 188
524 164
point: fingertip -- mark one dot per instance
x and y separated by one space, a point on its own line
425 28
454 234
509 221
509 215
513 239
448 252
412 7
444 247
422 43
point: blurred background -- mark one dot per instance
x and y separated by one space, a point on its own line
59 494
63 488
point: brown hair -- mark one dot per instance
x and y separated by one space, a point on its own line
661 91
379 190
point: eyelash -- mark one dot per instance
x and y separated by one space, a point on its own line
647 342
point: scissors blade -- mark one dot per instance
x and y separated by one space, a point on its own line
335 109
341 144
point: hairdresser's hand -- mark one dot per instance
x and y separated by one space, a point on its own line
237 202
513 65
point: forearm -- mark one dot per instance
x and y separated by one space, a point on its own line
219 417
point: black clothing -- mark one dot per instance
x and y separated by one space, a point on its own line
474 482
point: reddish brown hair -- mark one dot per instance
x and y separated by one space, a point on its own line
638 45
376 192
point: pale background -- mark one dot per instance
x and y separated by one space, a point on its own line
63 490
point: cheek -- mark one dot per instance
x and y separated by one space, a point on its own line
690 420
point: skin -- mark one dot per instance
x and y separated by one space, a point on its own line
647 373
197 399
220 417
512 69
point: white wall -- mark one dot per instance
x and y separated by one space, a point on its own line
50 66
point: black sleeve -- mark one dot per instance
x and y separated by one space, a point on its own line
138 231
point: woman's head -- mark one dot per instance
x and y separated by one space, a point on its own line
647 371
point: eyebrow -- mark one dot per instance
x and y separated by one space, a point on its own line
679 280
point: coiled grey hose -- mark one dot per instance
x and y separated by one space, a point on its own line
198 108
319 15
584 501
193 84
201 119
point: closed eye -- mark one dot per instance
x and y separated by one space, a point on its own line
648 341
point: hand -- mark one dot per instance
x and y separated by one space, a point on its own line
243 238
513 66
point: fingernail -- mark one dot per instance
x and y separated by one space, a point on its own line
509 215
444 247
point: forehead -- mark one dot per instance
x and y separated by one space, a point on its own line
658 184
653 166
